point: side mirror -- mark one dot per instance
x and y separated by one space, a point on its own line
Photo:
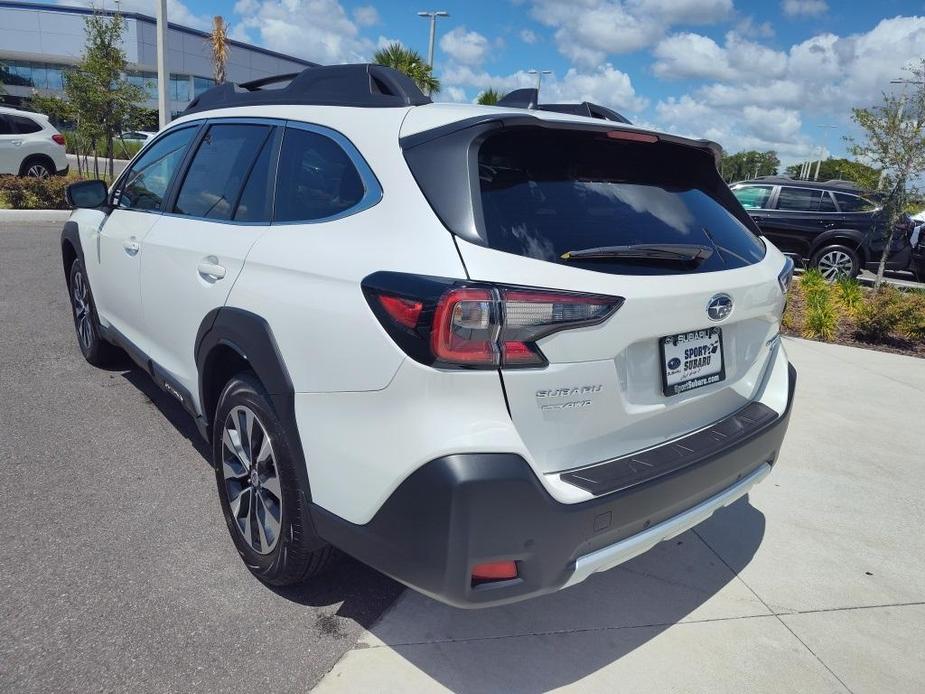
89 194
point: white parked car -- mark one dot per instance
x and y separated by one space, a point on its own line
137 136
487 350
30 145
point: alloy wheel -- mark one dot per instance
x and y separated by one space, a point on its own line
38 171
835 264
81 298
251 480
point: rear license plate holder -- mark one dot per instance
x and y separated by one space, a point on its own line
691 360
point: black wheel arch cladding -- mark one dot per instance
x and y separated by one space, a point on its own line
71 247
250 337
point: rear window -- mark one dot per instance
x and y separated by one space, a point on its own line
545 193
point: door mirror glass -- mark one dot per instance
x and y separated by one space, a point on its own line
86 194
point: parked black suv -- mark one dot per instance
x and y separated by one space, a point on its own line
831 225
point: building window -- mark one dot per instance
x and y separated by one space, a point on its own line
180 88
201 84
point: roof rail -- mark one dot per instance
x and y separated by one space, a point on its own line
362 85
528 98
842 183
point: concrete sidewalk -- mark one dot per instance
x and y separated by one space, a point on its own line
816 583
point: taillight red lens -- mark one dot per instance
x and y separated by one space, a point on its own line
404 311
465 329
59 138
449 323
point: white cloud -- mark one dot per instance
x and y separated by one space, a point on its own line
761 98
366 16
606 85
804 8
747 26
694 56
318 30
588 31
684 11
465 47
528 37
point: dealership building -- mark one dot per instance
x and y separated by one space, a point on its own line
37 42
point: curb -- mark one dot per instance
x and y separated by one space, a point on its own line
34 215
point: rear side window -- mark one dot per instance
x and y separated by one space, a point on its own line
804 200
220 169
854 203
316 178
753 197
547 192
24 126
145 185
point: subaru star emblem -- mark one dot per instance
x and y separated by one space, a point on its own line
719 307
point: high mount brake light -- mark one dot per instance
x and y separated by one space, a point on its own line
455 324
631 136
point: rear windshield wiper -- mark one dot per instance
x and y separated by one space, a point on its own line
658 252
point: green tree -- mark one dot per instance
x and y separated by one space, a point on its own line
744 165
894 139
409 62
842 169
490 97
102 100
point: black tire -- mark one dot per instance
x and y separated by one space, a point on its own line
835 260
294 552
95 349
37 167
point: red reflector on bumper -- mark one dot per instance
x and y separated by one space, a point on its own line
494 571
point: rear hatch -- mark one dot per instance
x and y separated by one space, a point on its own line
623 214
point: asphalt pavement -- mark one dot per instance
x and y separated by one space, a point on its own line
118 572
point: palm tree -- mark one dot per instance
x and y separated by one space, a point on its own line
218 42
409 62
490 97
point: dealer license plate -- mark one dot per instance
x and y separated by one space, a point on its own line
691 360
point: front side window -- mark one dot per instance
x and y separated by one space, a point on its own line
6 127
753 197
316 179
854 203
145 185
219 170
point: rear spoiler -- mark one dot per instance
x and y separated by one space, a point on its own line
514 119
529 99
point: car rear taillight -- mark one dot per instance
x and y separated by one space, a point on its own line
452 323
494 571
59 138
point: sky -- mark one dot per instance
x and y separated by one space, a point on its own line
747 74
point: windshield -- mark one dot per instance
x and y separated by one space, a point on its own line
547 192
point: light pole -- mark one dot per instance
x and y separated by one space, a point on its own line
825 147
433 31
539 79
163 74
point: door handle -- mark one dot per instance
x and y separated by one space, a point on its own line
757 218
211 271
131 246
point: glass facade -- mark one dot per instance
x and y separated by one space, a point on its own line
20 73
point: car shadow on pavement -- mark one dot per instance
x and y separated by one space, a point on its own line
363 592
558 639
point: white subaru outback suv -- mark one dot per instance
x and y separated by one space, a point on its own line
486 350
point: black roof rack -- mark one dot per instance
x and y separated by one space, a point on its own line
527 98
362 84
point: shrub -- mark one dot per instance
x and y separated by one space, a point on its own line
849 293
879 314
812 280
820 321
27 193
911 322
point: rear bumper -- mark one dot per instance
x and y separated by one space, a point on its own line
461 510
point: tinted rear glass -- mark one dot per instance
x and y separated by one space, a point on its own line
547 192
